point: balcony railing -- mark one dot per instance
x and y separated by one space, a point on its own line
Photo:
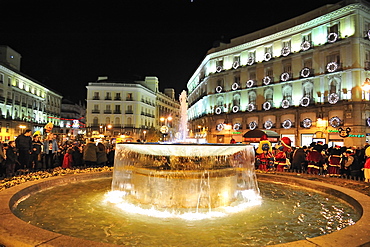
95 111
96 98
129 112
107 112
117 112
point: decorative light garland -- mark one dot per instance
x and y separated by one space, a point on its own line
306 45
235 108
332 37
285 51
236 126
368 34
335 122
250 107
250 83
266 106
287 124
218 110
218 89
333 98
285 76
285 103
250 61
305 72
307 123
268 124
268 56
305 101
235 86
332 67
218 69
220 127
236 64
252 125
266 80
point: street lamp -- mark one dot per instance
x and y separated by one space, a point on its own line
144 133
164 129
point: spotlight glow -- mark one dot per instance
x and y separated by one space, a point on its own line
250 197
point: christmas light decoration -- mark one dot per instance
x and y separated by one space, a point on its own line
333 98
266 106
305 101
307 123
287 124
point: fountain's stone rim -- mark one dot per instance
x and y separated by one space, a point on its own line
184 149
15 232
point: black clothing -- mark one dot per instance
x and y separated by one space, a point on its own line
23 143
299 160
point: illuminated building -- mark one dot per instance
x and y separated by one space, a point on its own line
72 121
132 110
24 102
301 78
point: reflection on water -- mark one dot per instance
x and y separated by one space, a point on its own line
286 214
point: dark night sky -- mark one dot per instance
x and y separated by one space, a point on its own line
66 44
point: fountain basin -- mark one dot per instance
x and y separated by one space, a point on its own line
183 176
15 232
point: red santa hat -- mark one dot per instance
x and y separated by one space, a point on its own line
286 143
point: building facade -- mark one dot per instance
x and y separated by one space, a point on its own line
301 78
24 102
126 110
72 121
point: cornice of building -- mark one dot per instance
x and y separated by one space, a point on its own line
120 84
27 78
268 36
284 29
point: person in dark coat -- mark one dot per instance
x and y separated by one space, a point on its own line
24 147
2 160
102 155
11 159
299 159
111 154
77 156
36 152
90 153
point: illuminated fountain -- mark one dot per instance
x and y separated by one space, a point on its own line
184 180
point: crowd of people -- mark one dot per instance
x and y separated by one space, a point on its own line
317 158
30 152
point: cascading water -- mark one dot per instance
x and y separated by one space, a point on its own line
184 180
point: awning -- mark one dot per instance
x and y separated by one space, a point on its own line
256 134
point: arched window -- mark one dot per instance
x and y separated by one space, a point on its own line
252 96
269 94
220 101
287 92
307 89
236 99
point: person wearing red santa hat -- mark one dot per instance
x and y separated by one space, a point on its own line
315 159
264 156
335 160
281 157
